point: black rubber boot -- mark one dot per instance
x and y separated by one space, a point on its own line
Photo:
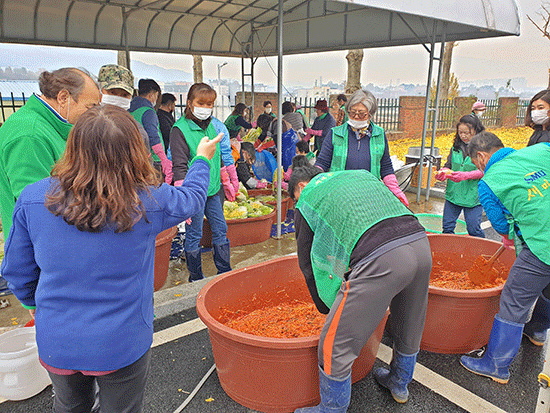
222 257
194 265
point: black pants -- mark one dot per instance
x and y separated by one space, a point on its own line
118 392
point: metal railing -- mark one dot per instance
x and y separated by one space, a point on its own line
445 116
523 104
11 104
491 117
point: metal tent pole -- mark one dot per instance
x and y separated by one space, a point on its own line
251 73
426 111
436 112
279 112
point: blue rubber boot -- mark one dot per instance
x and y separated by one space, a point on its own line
222 257
398 377
194 265
335 395
503 346
536 328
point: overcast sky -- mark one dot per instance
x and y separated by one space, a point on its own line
507 57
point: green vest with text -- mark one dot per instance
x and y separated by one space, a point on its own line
193 135
462 193
340 138
339 207
138 116
521 181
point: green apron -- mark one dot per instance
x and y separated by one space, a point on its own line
138 116
462 193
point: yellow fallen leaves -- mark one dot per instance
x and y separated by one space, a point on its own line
511 137
210 399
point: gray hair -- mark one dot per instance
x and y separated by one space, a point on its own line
366 98
484 142
69 78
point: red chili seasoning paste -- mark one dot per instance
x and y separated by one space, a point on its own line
285 320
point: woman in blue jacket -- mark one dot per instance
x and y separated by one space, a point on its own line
80 256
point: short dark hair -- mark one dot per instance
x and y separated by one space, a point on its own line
543 95
249 148
484 142
342 97
287 107
145 86
299 161
267 102
473 122
263 121
301 174
167 98
239 109
302 146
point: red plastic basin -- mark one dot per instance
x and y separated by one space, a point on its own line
262 373
163 244
459 321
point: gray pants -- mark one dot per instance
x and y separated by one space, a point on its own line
119 392
528 277
398 279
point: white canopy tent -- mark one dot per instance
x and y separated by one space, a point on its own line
253 28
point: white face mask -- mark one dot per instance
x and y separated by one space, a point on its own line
202 113
267 110
358 124
479 114
119 101
539 117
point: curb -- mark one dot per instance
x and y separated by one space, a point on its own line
175 299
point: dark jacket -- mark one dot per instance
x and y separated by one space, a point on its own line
166 121
539 136
325 124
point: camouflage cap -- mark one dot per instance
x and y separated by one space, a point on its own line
115 76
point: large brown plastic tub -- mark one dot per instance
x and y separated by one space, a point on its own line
459 321
261 373
163 244
242 231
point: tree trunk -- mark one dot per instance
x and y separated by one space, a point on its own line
197 68
123 59
446 71
354 58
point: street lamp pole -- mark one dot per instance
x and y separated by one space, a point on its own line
219 87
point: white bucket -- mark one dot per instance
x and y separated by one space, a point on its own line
21 374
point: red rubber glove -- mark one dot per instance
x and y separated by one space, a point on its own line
314 132
232 171
391 182
286 175
459 176
442 174
228 189
508 243
164 162
261 185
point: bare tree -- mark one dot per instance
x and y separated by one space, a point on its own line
354 58
446 71
197 68
545 14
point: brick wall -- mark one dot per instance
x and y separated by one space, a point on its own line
411 116
259 99
508 111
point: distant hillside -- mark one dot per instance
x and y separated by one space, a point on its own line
143 70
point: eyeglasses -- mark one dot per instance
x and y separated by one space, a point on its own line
358 115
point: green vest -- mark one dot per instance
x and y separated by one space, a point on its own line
346 117
230 123
462 193
193 135
521 181
32 140
138 116
361 201
340 148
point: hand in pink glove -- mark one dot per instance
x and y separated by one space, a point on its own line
286 175
442 174
391 182
261 185
314 132
232 171
164 162
459 176
227 187
178 183
508 243
188 221
284 185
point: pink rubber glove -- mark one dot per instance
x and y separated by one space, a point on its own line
178 183
508 243
286 175
314 132
164 162
391 182
459 176
227 187
261 185
232 171
441 175
284 185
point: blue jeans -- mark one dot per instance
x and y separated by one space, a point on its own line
213 210
528 278
472 217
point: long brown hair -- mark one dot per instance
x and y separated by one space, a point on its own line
100 175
